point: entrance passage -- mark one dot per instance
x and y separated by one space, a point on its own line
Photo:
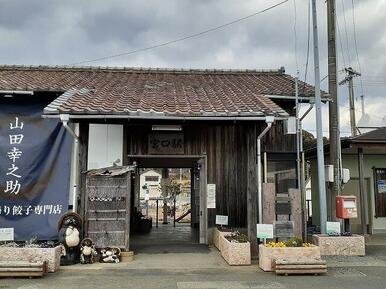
166 205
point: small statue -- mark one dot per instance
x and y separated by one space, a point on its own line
87 251
110 255
70 225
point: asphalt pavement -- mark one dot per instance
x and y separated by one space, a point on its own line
206 269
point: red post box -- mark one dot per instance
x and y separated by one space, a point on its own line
346 207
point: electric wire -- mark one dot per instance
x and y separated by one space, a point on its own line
181 38
341 44
296 38
356 45
308 44
345 30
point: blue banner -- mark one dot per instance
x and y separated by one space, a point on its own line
35 163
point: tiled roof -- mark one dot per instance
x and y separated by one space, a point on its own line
96 90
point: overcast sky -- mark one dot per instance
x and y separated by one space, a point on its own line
66 32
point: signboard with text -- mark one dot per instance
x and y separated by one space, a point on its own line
381 186
35 161
333 228
166 143
264 231
211 196
7 234
284 229
222 220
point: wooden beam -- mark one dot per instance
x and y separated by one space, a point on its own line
82 167
128 212
251 188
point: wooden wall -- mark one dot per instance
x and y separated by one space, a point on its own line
226 147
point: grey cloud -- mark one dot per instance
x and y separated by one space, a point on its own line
63 32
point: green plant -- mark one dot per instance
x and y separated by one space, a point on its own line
237 237
294 242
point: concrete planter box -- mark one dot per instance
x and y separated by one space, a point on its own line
216 237
267 254
341 245
235 253
49 255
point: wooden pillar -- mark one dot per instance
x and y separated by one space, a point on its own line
269 194
82 167
251 188
296 210
362 191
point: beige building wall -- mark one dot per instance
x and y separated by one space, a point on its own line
350 161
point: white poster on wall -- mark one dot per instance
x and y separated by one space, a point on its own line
211 196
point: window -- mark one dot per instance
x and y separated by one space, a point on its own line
380 191
281 171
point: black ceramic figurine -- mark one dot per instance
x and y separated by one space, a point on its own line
70 227
87 251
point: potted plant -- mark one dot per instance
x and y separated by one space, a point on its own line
235 249
217 233
43 252
345 244
293 248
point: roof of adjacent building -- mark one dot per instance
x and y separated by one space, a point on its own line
169 92
377 135
371 139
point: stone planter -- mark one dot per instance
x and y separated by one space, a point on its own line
341 245
216 237
49 255
267 254
235 253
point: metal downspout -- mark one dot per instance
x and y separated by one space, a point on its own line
269 122
75 160
302 179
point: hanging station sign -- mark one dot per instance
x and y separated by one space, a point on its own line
166 143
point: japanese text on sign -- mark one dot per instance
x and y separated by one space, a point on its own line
264 231
18 210
12 184
222 220
166 143
211 196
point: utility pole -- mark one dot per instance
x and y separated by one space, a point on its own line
351 73
333 106
319 131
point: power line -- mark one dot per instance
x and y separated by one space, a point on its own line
308 43
341 45
355 43
181 38
295 36
345 29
